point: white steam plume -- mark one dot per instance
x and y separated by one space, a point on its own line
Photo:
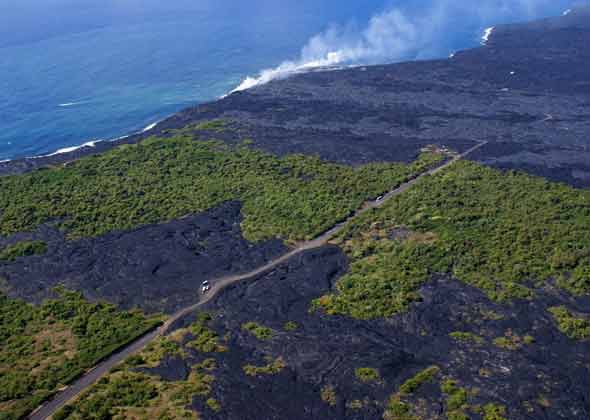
389 34
394 35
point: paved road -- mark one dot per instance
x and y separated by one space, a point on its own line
92 376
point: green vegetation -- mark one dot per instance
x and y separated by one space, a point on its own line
422 377
403 405
127 393
494 412
44 347
574 327
22 249
367 375
457 400
214 405
212 125
490 229
396 408
258 331
328 395
512 341
467 337
271 368
205 340
292 197
290 326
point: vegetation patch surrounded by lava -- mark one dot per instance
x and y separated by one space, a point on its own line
22 249
135 390
160 179
501 232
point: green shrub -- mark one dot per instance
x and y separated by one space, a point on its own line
367 375
576 328
258 331
494 412
271 368
214 405
290 326
22 249
328 394
205 339
398 410
422 377
512 341
466 337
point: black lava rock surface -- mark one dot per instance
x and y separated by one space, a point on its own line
326 350
156 267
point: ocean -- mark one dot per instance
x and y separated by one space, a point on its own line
76 72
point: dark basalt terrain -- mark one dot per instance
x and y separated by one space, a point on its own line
156 267
326 350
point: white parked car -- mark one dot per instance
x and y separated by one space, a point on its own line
205 287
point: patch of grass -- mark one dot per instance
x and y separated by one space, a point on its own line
290 326
258 331
493 230
575 327
44 347
367 375
212 125
512 341
456 400
205 339
155 352
271 368
494 411
398 410
22 249
214 405
292 197
467 337
415 382
328 395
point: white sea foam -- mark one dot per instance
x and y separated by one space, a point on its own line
69 104
486 35
71 149
91 143
149 127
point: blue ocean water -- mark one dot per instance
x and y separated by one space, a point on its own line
100 70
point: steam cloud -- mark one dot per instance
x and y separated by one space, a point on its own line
396 35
